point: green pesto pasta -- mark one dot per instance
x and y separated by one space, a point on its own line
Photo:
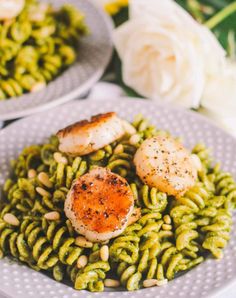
171 234
37 46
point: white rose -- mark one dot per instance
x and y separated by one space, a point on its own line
219 95
10 8
219 98
165 53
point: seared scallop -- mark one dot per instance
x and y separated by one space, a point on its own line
164 163
99 204
86 136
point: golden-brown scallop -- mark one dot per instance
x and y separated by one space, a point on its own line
99 204
164 163
84 137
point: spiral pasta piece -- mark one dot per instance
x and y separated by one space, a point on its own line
92 277
226 186
217 233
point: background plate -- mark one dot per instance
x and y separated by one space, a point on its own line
94 55
19 281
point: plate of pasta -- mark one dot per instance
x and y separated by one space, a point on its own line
51 51
99 198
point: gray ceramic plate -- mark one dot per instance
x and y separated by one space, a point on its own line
208 278
94 55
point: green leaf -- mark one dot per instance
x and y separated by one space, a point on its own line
121 17
218 4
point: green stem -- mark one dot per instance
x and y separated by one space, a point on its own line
221 15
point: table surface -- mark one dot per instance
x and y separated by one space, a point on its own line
100 91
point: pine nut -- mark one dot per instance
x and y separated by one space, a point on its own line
166 227
196 161
167 219
162 282
220 255
44 179
135 216
11 219
54 215
111 283
82 261
129 129
59 158
83 242
43 192
119 149
134 139
32 173
104 253
37 87
147 283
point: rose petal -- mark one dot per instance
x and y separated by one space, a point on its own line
219 95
